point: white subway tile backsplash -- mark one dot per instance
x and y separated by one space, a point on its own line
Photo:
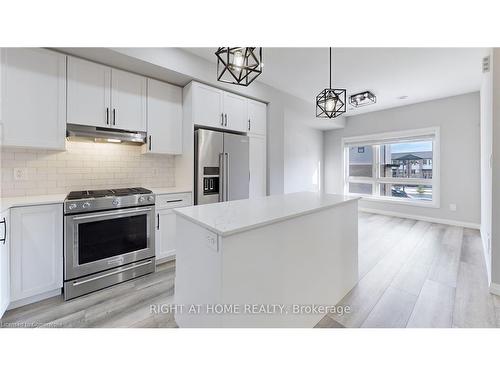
84 165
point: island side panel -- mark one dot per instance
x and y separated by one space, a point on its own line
310 259
197 275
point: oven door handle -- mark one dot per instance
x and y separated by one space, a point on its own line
76 283
107 214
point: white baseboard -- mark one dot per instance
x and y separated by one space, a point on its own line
39 297
495 289
423 218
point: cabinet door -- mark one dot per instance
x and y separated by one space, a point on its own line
257 114
207 106
128 101
37 250
164 118
34 98
4 263
235 108
165 234
257 166
88 93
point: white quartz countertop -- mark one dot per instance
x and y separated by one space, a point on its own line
171 190
34 200
228 218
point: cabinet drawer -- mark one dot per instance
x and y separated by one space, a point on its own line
173 200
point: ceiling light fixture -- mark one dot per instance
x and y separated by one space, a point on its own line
239 65
363 98
331 103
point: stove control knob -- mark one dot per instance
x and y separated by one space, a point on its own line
141 199
151 198
72 206
115 202
86 205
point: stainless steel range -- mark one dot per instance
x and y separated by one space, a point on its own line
109 238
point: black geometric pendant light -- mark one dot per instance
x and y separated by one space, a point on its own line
239 65
330 103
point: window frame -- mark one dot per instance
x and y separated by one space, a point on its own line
375 140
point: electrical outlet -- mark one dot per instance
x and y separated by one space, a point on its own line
212 240
20 174
453 207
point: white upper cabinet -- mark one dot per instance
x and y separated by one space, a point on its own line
235 112
257 156
33 98
257 114
105 97
219 109
128 101
164 118
36 250
89 96
207 106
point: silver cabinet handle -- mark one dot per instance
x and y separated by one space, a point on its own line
249 125
222 119
158 221
114 116
4 222
149 143
225 117
107 115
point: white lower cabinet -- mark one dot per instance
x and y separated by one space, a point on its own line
36 262
4 262
165 234
165 223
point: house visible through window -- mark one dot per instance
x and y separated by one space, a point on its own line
399 169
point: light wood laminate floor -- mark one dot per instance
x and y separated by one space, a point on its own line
412 274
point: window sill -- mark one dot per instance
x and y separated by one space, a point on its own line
370 198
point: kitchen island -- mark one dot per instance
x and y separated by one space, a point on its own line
277 261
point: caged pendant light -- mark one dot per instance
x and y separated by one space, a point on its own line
239 65
330 103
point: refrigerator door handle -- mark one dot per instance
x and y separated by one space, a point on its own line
222 171
226 175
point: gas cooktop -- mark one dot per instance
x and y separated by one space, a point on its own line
99 200
86 194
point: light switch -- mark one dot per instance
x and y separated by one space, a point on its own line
453 207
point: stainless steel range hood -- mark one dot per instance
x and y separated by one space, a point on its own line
77 132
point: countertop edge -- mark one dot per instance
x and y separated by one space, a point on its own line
263 223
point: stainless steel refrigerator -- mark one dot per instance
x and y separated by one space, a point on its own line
221 166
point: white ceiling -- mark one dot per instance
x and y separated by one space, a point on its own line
419 73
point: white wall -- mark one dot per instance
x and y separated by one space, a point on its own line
495 178
303 147
486 95
458 119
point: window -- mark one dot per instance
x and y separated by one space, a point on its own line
399 167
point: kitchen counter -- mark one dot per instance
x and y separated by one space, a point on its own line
290 250
34 200
227 218
170 190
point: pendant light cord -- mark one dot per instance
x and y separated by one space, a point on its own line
330 68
